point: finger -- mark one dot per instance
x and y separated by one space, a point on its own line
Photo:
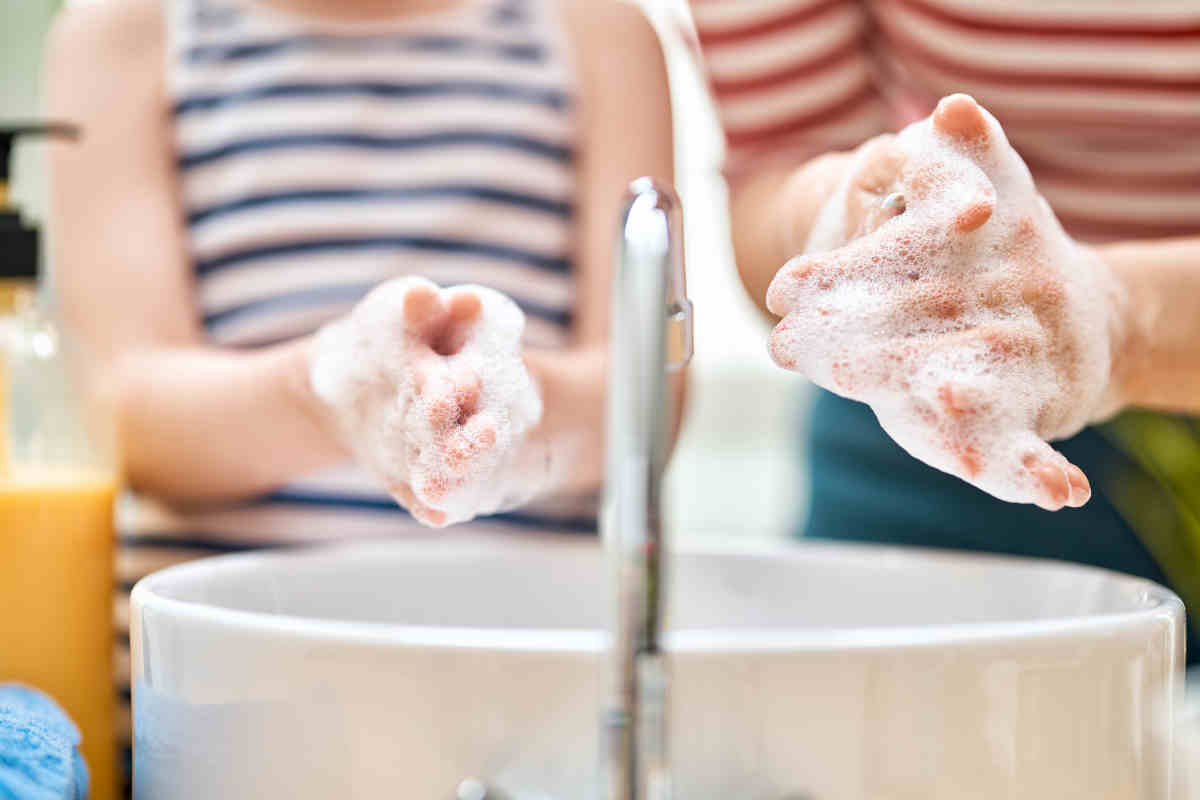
962 408
443 412
878 164
922 429
882 209
959 117
430 376
473 440
929 299
877 169
977 211
798 343
996 343
1051 476
403 494
464 310
467 390
434 488
440 395
465 306
783 344
452 396
428 516
961 120
961 403
423 311
1081 488
967 454
860 374
961 195
804 276
1046 298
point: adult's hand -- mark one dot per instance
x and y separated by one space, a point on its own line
938 287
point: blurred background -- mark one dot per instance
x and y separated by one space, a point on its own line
739 463
738 469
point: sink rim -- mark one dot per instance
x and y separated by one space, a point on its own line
1159 602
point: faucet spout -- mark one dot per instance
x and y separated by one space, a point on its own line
651 334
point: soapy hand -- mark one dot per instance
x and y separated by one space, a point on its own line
938 287
430 391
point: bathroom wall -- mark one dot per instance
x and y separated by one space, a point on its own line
23 25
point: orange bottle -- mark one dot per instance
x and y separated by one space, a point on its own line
57 489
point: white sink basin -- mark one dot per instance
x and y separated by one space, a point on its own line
396 670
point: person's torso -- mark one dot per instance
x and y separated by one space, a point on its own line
317 159
1100 97
314 161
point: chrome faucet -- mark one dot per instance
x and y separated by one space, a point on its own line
651 334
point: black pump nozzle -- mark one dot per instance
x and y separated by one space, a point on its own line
19 243
10 132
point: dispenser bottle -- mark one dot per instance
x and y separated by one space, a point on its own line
57 488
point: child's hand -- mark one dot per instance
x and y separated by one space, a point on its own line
939 288
431 392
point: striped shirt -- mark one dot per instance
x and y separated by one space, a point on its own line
1100 97
316 159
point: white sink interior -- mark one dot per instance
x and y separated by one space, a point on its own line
814 671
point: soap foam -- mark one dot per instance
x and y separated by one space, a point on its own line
453 425
973 343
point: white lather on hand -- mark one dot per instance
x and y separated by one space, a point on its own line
432 394
938 287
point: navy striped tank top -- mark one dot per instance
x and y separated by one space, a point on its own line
317 159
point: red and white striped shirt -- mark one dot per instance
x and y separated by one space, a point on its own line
1101 97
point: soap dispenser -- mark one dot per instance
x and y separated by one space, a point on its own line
57 488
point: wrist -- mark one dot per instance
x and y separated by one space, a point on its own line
569 439
298 388
1128 331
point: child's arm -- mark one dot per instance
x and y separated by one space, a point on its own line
625 125
196 422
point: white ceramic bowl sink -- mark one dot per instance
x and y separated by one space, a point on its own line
396 670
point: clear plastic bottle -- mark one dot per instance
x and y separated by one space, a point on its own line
58 483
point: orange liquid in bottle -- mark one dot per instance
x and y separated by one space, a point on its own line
56 583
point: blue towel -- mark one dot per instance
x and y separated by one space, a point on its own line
39 748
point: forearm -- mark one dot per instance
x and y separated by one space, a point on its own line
772 210
571 432
1157 361
200 424
573 384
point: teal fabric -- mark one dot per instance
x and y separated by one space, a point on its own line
866 488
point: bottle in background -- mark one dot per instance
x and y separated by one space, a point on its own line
57 487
